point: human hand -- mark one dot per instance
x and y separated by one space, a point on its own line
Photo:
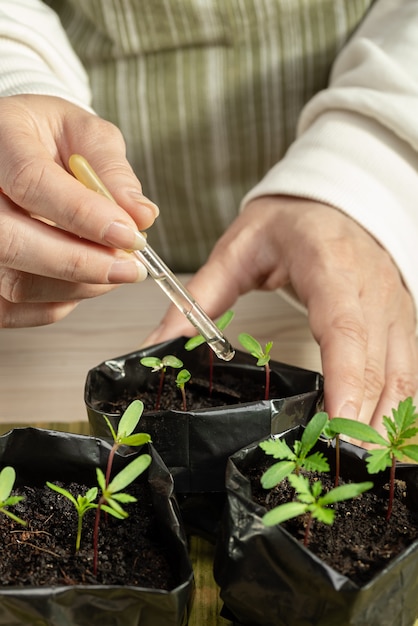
60 242
359 310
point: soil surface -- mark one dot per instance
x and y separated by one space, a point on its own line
230 390
42 553
361 542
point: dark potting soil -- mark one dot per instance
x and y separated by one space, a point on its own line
42 553
360 543
231 390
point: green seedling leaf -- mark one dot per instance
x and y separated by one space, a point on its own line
194 342
410 451
316 462
378 460
276 473
63 492
129 473
355 430
183 377
172 361
277 448
126 498
153 362
310 501
136 440
198 340
283 513
157 364
251 344
345 492
7 481
313 431
130 418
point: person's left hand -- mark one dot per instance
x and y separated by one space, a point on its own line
359 310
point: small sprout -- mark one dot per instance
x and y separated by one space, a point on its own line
183 377
298 458
399 430
310 501
125 432
112 496
82 504
395 447
263 356
109 499
7 481
198 340
160 365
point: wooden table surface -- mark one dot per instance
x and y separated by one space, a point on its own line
42 374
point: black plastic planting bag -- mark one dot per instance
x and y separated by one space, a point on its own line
38 455
268 578
195 445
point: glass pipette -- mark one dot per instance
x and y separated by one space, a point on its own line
159 271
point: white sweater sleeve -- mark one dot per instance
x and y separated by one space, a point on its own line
36 56
357 143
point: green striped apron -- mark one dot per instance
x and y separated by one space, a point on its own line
207 94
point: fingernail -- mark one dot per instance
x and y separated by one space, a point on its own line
127 272
349 412
145 202
123 236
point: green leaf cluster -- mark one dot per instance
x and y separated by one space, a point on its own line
255 349
82 504
157 364
400 429
310 499
292 460
127 424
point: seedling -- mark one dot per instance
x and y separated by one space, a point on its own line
399 430
183 377
263 356
7 481
311 500
395 447
293 460
82 504
111 497
160 365
125 432
196 341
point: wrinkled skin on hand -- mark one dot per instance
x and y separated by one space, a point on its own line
58 240
359 310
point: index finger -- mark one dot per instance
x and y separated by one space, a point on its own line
337 323
43 187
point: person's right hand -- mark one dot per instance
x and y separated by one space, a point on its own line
60 242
